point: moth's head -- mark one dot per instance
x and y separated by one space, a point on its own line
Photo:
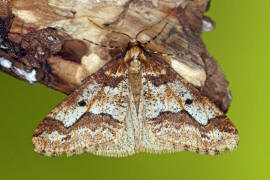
133 43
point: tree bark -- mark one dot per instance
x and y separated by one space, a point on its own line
60 43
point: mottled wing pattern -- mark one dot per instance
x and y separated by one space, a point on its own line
176 117
95 118
134 104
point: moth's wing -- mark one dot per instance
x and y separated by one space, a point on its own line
175 116
92 119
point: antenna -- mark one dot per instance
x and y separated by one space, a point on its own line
109 30
156 35
151 26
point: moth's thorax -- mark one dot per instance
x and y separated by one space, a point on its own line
134 60
133 52
134 57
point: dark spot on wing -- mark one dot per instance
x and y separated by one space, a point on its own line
106 24
82 103
188 101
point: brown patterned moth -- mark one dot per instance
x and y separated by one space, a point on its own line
137 102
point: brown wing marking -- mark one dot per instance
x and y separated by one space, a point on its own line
185 120
92 119
218 135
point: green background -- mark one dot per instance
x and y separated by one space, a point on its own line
240 43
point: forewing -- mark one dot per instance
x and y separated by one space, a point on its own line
91 119
176 117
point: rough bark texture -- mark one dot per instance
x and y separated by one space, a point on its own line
60 43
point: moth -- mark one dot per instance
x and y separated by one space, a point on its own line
135 103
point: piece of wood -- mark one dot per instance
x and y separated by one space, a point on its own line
60 43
